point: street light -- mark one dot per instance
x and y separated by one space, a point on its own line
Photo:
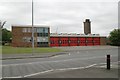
32 29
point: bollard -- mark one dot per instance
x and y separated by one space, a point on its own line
108 62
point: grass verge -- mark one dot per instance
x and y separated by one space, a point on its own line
21 50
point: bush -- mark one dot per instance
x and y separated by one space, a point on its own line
115 37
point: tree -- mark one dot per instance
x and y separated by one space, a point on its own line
2 24
6 36
115 37
5 33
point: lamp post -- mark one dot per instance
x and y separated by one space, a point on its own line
32 29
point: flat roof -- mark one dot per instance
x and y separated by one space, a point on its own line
30 26
74 35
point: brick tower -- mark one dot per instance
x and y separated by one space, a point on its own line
87 27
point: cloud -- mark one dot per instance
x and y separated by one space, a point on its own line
68 16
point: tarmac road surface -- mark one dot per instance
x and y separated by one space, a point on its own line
73 60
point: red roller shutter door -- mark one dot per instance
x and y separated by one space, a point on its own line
54 41
96 41
89 41
64 41
82 41
73 41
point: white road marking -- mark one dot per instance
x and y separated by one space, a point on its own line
59 70
39 73
1 78
77 67
13 77
64 69
113 64
90 66
29 75
104 66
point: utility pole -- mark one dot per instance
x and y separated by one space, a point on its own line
32 29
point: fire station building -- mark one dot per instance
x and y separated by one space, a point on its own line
76 40
22 37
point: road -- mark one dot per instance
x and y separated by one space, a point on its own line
79 59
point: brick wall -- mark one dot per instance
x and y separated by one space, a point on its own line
103 41
17 37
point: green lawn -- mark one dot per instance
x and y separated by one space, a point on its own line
20 50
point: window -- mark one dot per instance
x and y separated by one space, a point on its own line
46 30
29 29
46 34
39 43
39 30
42 39
69 41
26 39
35 30
38 34
42 34
60 42
24 30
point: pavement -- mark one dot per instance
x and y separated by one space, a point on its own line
34 55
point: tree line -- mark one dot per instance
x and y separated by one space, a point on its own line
114 37
6 34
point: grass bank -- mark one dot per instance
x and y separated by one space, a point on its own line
20 50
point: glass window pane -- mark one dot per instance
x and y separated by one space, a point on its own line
39 30
29 29
26 39
42 39
46 30
24 30
35 30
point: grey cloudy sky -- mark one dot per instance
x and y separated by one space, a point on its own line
62 15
